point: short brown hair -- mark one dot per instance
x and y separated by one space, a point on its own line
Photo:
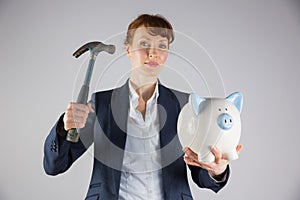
157 24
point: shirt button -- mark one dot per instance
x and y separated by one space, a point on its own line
127 174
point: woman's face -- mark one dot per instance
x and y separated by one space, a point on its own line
147 53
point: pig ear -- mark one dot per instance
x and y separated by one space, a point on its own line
236 99
196 102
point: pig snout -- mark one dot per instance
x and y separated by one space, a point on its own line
225 121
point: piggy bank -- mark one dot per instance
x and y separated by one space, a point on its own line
207 122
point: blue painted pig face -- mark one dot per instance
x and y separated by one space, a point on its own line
225 120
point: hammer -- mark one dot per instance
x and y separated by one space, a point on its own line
95 48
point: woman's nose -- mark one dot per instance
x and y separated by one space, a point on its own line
152 53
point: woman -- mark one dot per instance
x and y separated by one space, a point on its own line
133 127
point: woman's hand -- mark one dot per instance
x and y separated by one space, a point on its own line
76 115
215 168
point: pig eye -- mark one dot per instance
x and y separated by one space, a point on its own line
226 109
219 109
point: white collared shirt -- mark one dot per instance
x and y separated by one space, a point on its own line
141 172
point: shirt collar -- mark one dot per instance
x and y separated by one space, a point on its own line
133 96
133 99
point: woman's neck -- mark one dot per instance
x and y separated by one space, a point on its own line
144 87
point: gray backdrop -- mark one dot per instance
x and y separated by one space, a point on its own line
255 45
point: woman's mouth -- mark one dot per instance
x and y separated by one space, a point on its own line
152 64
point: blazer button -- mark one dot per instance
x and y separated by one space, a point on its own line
53 146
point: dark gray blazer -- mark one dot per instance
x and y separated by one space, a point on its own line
107 129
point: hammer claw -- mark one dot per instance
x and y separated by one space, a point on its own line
80 51
95 48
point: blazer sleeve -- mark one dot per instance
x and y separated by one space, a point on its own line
202 178
60 154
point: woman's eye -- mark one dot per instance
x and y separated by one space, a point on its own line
163 46
145 44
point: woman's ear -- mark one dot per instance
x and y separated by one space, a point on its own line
128 50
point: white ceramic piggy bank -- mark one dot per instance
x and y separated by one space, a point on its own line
207 122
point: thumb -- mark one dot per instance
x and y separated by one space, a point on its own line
90 107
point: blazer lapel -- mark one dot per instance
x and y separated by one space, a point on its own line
168 110
119 112
111 137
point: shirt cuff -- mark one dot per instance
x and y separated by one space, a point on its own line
223 177
60 130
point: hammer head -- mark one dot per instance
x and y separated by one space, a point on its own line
94 48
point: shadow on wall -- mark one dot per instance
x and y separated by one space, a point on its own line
296 5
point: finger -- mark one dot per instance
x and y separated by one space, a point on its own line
224 156
74 120
76 116
73 112
69 117
78 107
196 163
70 105
191 161
82 108
217 153
74 106
206 166
239 148
190 153
69 126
